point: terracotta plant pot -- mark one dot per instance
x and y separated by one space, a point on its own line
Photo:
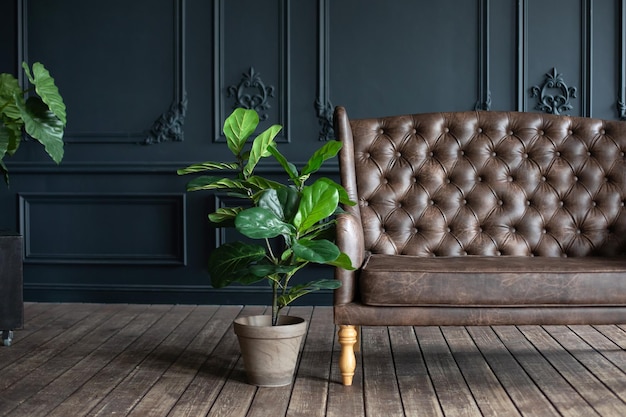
270 353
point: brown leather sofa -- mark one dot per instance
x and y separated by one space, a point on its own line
480 218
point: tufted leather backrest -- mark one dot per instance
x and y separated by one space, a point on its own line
487 183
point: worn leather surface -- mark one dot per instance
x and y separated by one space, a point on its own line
492 281
483 184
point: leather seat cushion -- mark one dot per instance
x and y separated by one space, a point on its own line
403 280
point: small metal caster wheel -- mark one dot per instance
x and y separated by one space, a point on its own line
7 337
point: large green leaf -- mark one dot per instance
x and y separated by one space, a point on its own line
230 263
225 214
329 150
208 182
289 200
343 261
44 126
9 92
261 223
269 200
47 90
343 194
260 148
289 168
298 291
265 270
207 166
238 127
318 201
319 251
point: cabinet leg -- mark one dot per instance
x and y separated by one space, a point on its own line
347 360
7 337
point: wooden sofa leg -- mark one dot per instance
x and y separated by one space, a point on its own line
347 360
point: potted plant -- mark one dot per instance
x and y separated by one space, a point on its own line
298 215
43 118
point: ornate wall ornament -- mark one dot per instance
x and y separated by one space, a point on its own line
553 103
325 118
252 93
169 126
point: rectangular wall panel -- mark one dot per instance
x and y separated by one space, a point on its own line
103 229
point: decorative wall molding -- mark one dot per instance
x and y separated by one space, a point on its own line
159 208
484 93
559 101
586 57
522 54
167 126
252 93
621 94
323 105
220 91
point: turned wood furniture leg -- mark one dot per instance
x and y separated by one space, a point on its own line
347 360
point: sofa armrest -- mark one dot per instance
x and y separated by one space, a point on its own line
349 236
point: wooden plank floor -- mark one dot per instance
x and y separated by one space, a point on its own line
162 360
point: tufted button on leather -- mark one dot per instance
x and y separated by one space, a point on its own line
541 132
621 154
431 202
509 178
543 179
602 132
500 202
414 131
575 179
414 179
525 155
528 203
578 231
498 253
431 153
479 130
381 131
464 202
570 132
462 152
510 133
448 181
398 154
448 229
493 154
588 153
479 179
557 153
593 204
561 203
544 231
446 130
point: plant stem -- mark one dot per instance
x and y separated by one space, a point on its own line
274 303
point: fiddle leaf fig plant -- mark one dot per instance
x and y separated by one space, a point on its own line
42 116
298 215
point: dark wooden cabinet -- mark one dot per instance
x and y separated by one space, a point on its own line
11 299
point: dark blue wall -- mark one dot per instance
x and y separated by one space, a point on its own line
112 223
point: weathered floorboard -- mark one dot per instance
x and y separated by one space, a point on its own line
163 360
